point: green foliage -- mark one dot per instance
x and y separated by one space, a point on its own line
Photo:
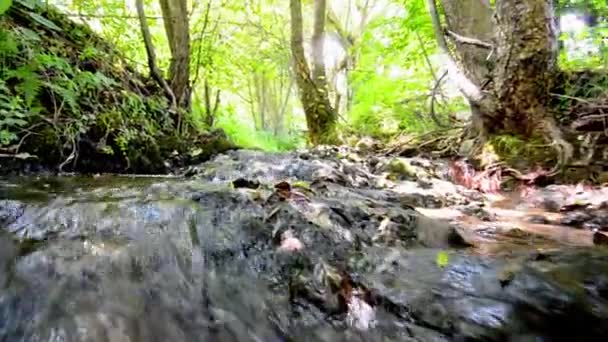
246 136
392 80
56 92
4 5
62 78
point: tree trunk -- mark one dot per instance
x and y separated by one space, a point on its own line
150 52
526 58
473 19
525 52
320 116
175 17
318 33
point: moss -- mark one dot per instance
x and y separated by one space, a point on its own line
401 169
104 124
516 152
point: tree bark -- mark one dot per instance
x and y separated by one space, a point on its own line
318 35
154 70
523 36
526 53
526 58
176 21
471 19
320 116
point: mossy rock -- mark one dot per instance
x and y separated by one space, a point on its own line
402 169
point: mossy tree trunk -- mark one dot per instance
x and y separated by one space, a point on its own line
321 118
176 21
508 84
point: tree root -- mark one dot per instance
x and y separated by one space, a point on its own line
440 142
564 149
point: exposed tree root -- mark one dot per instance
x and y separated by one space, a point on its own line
564 149
443 142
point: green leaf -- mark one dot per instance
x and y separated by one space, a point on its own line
4 5
442 259
44 21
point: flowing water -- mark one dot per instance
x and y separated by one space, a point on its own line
230 253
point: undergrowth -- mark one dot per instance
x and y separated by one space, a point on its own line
68 99
243 135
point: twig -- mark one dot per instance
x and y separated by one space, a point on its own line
426 56
72 157
200 44
467 40
433 94
107 16
571 98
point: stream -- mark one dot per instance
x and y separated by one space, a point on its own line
331 244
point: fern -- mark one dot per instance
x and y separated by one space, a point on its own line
8 44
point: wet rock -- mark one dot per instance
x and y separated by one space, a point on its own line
10 211
401 169
281 247
476 210
367 144
575 219
468 300
538 219
438 234
244 183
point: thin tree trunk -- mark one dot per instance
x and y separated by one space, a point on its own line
176 21
320 116
154 70
318 35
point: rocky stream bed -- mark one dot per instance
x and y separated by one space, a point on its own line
323 245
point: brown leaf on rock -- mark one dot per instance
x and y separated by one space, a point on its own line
600 239
283 190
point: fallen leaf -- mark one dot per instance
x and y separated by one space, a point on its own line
291 244
442 259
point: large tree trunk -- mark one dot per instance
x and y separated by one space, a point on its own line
526 58
473 19
320 116
175 17
524 44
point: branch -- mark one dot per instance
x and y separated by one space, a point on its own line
347 39
443 45
108 16
154 71
200 44
318 64
470 41
426 56
433 95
